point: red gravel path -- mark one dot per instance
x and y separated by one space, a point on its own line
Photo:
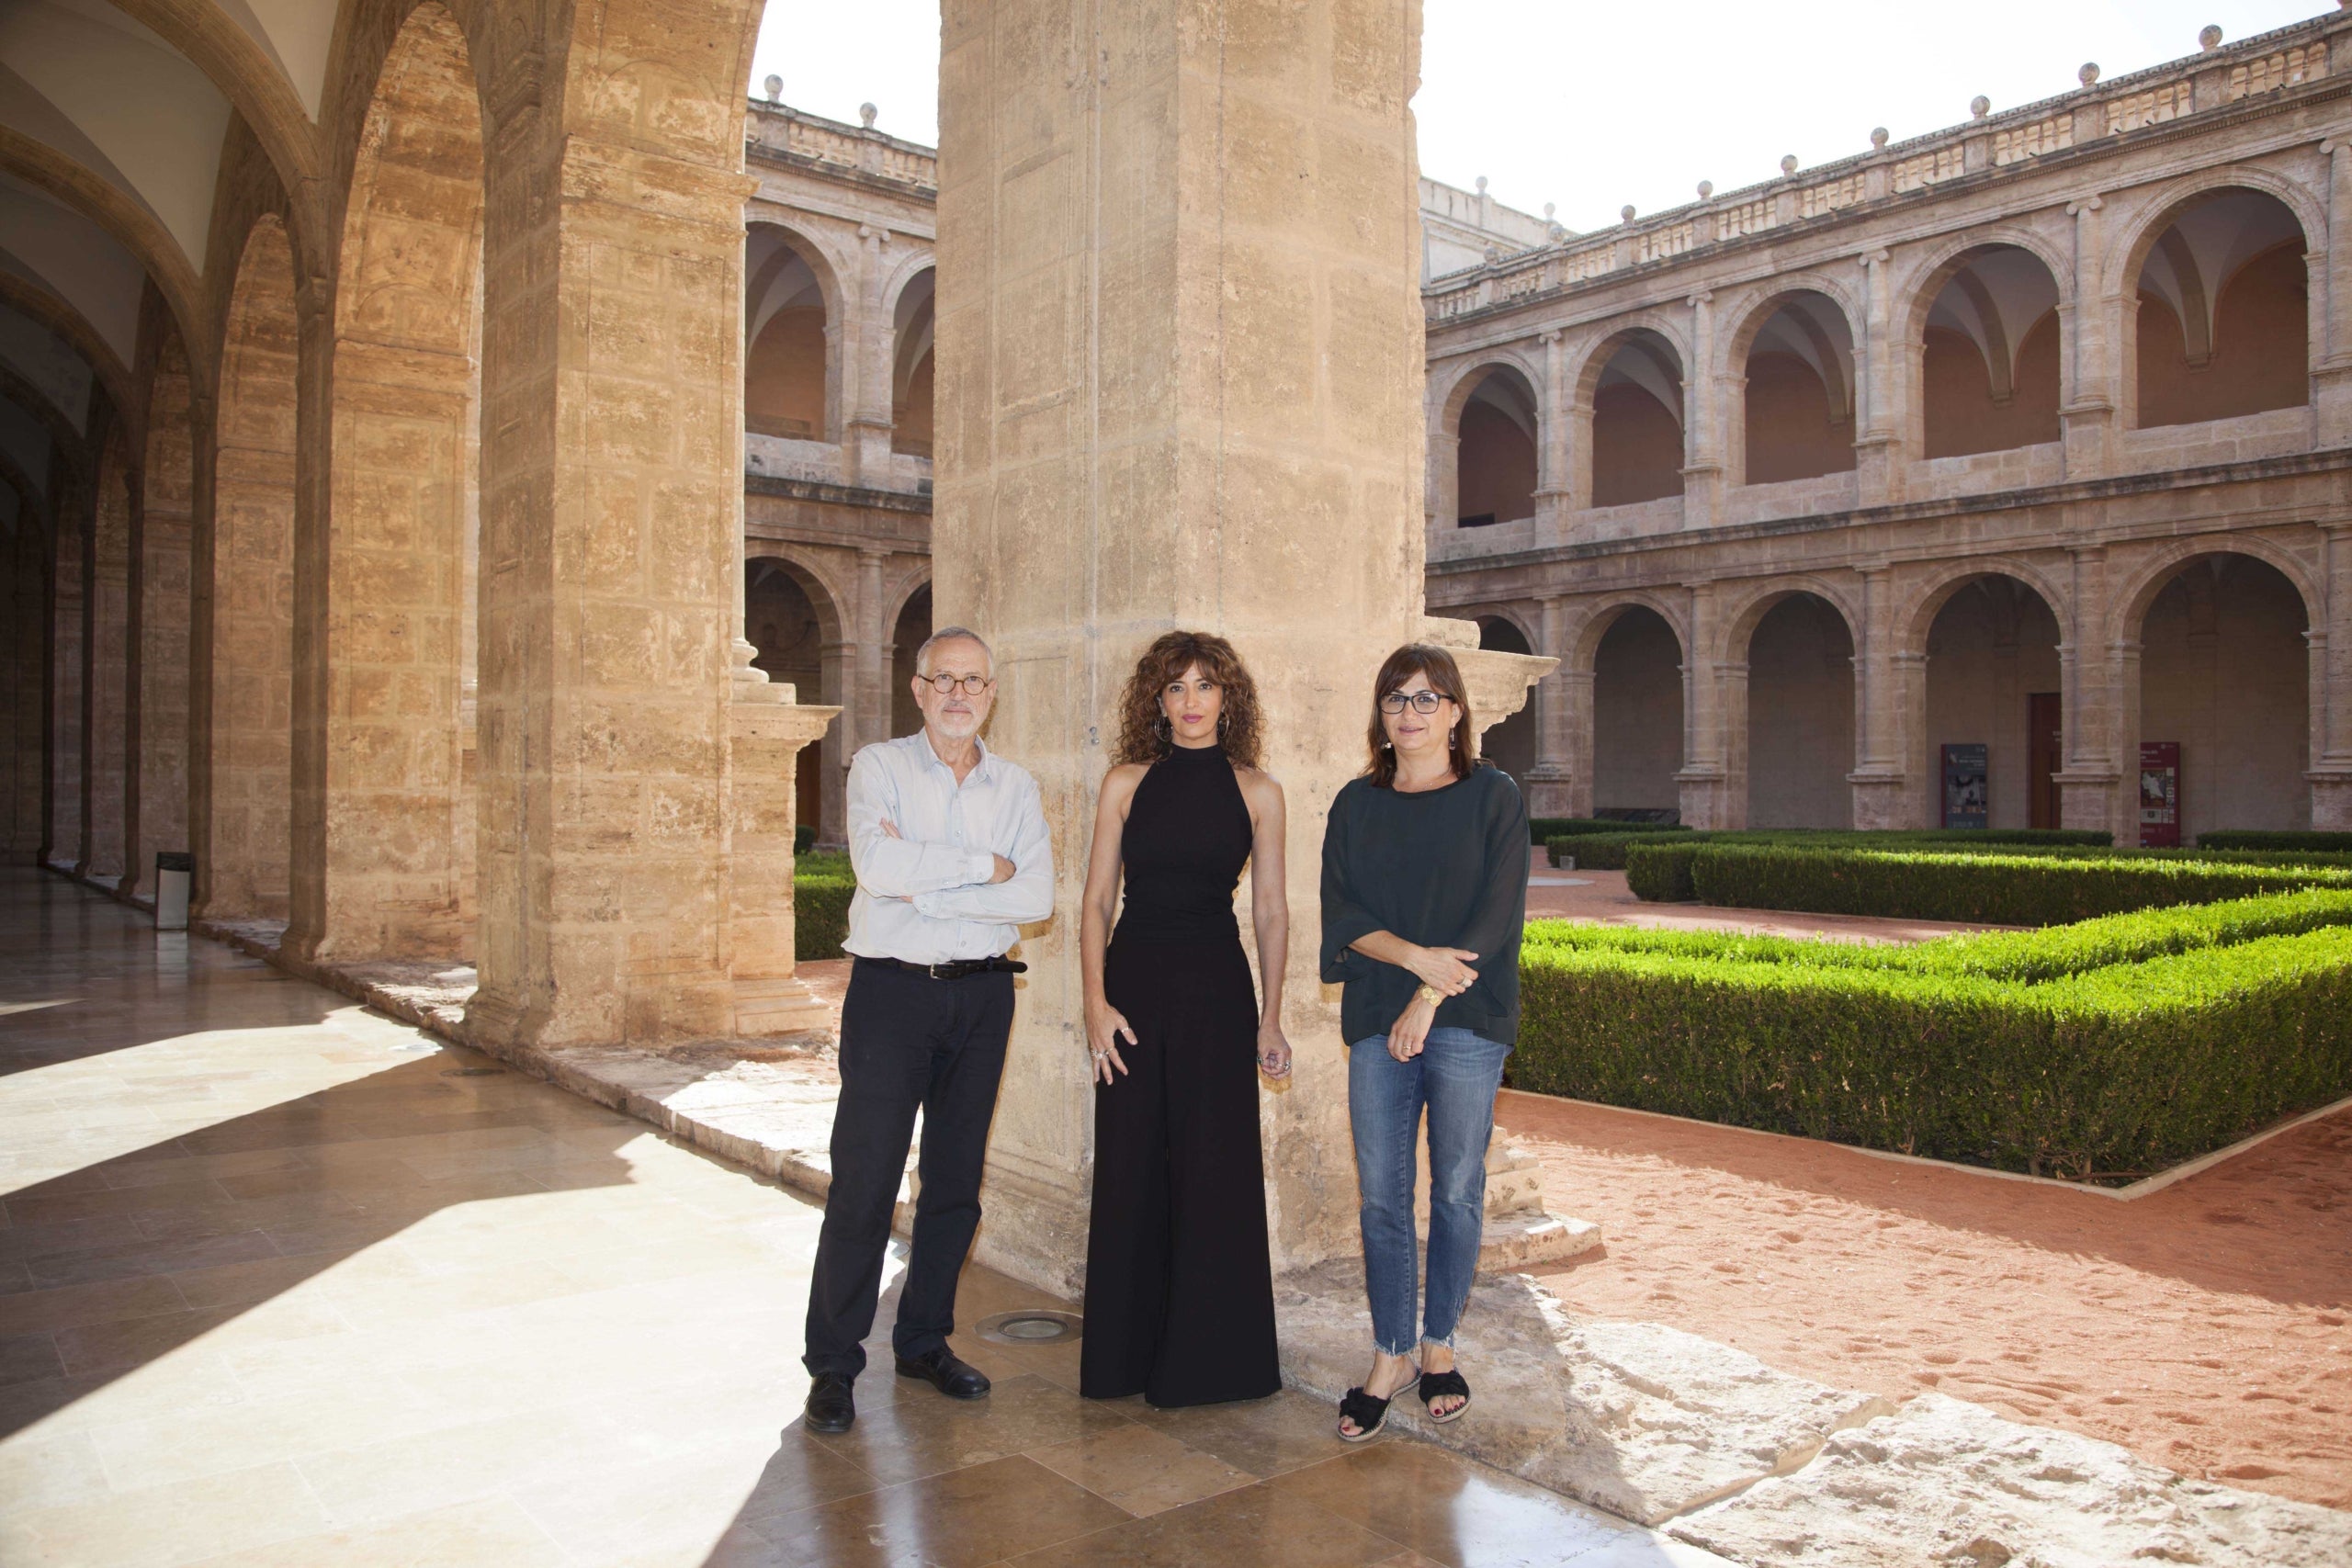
2203 1326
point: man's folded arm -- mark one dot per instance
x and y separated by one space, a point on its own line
902 867
1027 896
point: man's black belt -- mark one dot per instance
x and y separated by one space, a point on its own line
954 969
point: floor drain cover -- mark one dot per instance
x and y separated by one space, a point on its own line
1034 1326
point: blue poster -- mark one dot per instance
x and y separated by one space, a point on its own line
1967 771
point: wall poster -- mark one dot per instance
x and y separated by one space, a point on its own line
1967 769
2160 795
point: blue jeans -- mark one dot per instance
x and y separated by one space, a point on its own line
1454 1077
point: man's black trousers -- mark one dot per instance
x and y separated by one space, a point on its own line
907 1041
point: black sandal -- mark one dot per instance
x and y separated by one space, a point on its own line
1368 1413
1438 1385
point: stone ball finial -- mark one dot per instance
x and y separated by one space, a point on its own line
1878 136
1706 190
867 114
774 88
1979 107
2209 38
1788 162
1549 209
1481 184
2089 74
1627 212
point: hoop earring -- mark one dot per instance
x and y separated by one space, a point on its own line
1221 721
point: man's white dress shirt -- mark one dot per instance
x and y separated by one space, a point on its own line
925 896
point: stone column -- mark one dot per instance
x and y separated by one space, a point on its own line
1712 796
865 355
106 662
2331 303
2099 673
1553 420
1705 471
611 525
1551 782
177 426
1878 421
1887 707
2331 685
1180 384
2092 394
835 667
873 652
769 733
62 841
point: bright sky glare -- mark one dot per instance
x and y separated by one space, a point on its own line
1594 105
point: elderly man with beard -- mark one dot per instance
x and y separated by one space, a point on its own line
949 844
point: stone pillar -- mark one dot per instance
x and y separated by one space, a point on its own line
835 667
62 841
176 425
1552 433
2331 303
769 732
866 353
1180 378
612 493
873 652
1890 697
2091 394
1551 782
1706 472
2331 685
25 651
1712 794
1878 421
2098 674
106 662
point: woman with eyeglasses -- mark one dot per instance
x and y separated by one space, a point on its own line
1180 1298
1424 895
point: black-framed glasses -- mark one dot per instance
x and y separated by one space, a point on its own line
1423 702
973 684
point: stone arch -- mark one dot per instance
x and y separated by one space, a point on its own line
2220 301
1631 401
793 314
1630 652
1594 627
912 313
1929 595
1791 363
2157 570
1494 417
397 854
1794 742
2216 662
1741 612
1983 347
242 632
1982 644
794 617
1509 744
1450 393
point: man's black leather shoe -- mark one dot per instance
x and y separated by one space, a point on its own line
956 1378
830 1406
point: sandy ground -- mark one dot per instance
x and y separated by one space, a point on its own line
2203 1326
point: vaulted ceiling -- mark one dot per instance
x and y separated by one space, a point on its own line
113 121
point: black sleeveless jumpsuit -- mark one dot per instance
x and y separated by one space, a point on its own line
1180 1302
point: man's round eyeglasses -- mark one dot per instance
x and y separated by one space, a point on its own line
973 684
1423 702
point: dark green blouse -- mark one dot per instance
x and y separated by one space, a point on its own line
1444 868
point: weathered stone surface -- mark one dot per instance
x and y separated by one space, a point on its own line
1642 1420
1944 1482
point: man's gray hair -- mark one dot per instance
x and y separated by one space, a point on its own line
952 634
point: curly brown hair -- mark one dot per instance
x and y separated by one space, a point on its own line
1142 737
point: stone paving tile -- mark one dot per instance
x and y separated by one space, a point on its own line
1258 1526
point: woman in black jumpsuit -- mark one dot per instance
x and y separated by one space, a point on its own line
1179 1288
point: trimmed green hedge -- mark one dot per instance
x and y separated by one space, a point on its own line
1544 830
1607 852
2044 889
2320 840
821 885
1600 852
2099 1051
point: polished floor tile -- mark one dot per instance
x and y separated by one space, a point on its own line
284 1283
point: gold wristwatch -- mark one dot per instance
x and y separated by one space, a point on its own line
1430 995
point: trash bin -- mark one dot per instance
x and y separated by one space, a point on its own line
174 870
